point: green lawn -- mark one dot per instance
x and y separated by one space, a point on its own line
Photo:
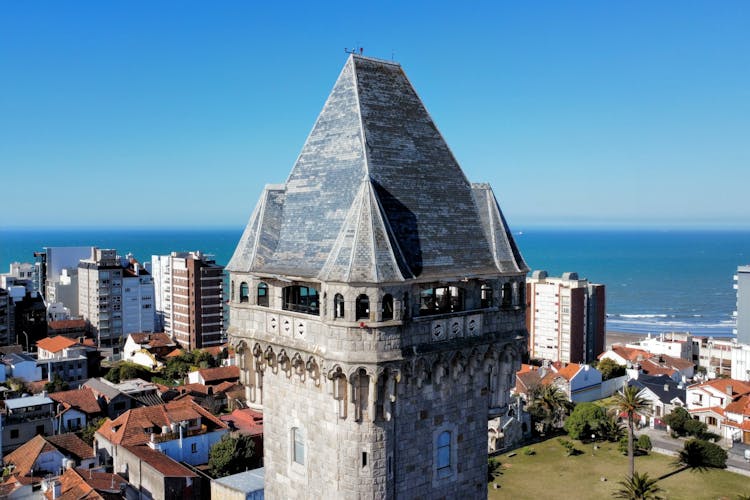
552 474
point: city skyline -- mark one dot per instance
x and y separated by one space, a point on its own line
580 115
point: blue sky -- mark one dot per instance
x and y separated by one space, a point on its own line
177 113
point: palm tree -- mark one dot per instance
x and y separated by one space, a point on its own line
639 487
550 405
629 401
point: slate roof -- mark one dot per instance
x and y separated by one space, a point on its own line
376 196
657 385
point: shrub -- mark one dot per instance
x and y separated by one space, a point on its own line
644 443
585 420
529 451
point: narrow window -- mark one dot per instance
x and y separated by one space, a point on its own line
298 445
231 292
364 459
444 454
194 448
486 296
522 294
262 294
507 295
387 307
363 307
338 306
244 292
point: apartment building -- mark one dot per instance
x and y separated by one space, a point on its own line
189 298
742 285
565 317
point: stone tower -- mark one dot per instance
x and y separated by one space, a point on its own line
377 305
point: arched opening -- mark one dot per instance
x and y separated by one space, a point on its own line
522 294
387 307
338 306
262 294
507 295
244 292
441 300
231 291
486 294
302 299
363 307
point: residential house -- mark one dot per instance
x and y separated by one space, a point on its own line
736 425
114 401
66 358
22 366
148 349
24 418
581 383
41 456
71 328
211 397
87 484
663 393
146 445
641 361
208 376
75 409
707 401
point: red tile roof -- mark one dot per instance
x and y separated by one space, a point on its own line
219 374
739 387
153 339
26 455
175 353
134 426
569 371
73 487
161 462
247 421
71 445
67 324
55 344
631 354
82 399
740 406
102 481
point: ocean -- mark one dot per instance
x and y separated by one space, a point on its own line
657 281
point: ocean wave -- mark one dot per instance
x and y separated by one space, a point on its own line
665 323
636 316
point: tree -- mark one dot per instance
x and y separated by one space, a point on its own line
87 434
610 428
644 443
677 419
639 487
125 370
630 402
585 420
16 384
700 455
549 407
231 455
610 369
57 384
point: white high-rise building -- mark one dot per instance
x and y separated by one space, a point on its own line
116 297
742 285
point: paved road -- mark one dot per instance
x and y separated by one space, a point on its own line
661 441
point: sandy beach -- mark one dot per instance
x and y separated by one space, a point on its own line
621 338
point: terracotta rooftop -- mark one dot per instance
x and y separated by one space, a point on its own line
569 371
631 354
82 399
175 353
739 388
160 462
219 374
135 426
152 339
55 344
740 406
71 446
26 455
101 481
246 420
66 324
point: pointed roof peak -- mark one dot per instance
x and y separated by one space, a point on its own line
375 153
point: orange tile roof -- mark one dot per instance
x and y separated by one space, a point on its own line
65 324
220 373
134 426
55 344
102 481
82 399
631 354
741 405
246 420
569 371
73 487
175 353
26 455
153 339
739 387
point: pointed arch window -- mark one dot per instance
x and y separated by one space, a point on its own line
387 307
262 294
338 306
363 307
244 292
